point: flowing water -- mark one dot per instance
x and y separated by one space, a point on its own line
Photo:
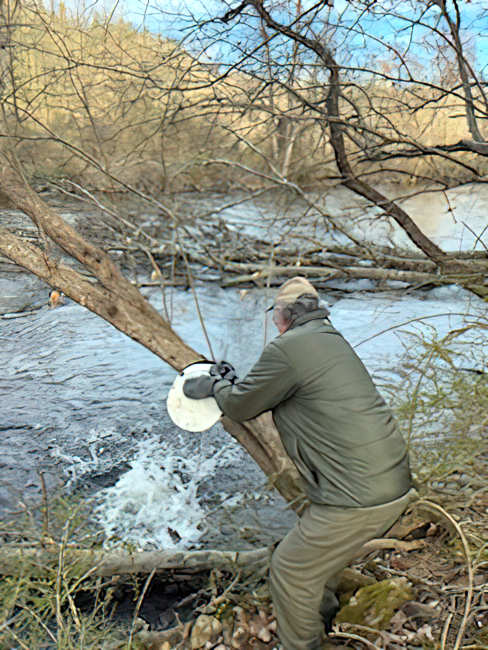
85 405
456 220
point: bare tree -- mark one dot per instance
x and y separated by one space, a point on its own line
294 102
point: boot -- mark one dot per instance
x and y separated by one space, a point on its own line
328 609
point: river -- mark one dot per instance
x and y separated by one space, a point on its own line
85 405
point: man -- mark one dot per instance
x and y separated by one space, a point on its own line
344 441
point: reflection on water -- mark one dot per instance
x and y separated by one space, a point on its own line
454 219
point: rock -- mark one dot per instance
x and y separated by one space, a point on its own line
22 292
374 605
204 629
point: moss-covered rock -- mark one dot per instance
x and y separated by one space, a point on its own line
374 605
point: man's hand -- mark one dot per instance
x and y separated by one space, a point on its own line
226 371
199 387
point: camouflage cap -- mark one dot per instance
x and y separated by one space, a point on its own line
293 289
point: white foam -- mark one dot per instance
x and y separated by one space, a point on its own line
99 454
155 504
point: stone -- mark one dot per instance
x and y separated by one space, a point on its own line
204 629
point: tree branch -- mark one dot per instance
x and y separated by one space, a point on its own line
337 139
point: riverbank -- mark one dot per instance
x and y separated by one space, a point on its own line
422 586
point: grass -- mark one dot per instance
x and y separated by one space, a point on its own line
39 605
440 398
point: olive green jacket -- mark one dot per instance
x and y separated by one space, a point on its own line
333 423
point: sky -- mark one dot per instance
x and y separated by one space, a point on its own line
177 19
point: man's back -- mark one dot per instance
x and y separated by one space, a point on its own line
333 422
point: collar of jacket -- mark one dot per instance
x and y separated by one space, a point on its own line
316 314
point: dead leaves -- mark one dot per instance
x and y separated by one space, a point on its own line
239 629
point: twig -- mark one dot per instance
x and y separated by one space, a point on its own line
445 630
469 566
220 599
17 639
355 637
138 606
200 317
407 322
46 502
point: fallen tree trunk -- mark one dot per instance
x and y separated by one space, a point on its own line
38 560
353 272
470 274
16 559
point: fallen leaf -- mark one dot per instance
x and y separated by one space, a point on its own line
264 635
418 611
397 621
240 636
424 634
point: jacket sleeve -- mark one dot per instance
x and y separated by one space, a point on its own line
271 381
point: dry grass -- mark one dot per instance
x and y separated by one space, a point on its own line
38 607
441 406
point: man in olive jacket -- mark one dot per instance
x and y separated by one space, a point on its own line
345 443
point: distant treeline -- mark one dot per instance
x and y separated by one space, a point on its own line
100 102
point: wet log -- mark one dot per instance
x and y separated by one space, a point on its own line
17 559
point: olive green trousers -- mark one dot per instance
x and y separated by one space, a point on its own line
321 544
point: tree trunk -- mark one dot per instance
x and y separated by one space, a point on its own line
15 559
454 28
337 140
110 295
